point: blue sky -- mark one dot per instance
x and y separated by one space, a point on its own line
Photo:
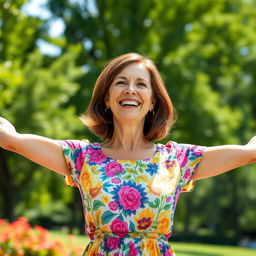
56 25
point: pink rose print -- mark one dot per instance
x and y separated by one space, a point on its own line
129 198
186 174
116 181
112 243
133 250
97 156
117 254
80 160
167 253
113 168
183 157
119 227
176 198
91 235
113 206
73 144
168 199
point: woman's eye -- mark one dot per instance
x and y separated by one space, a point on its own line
142 84
120 82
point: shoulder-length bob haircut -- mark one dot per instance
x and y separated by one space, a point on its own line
100 120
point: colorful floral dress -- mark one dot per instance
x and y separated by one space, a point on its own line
129 205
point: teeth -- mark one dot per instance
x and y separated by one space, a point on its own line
129 102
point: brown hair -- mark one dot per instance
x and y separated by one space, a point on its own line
157 123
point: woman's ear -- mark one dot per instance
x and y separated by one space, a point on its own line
152 104
107 102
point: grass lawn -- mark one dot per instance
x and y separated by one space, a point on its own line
181 249
190 249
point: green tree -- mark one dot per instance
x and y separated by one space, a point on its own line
34 95
205 51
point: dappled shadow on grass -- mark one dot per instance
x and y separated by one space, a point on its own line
194 253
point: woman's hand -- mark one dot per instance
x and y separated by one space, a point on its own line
7 133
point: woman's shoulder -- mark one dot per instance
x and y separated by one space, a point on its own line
170 145
180 148
76 144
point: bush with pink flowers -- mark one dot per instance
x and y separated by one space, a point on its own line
20 239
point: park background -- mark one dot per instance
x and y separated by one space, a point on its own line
51 53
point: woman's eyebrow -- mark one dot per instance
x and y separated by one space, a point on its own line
142 79
125 78
122 77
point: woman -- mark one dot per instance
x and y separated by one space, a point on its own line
129 185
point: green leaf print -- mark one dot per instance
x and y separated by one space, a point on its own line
127 177
143 166
142 178
141 170
107 216
167 207
120 217
154 204
97 204
131 227
66 151
126 247
131 170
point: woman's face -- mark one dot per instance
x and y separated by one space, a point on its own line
130 95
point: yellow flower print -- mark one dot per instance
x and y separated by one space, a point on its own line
145 219
85 178
93 249
94 170
105 199
98 217
142 178
94 191
165 182
104 228
195 162
90 182
164 222
189 187
90 223
149 247
155 159
130 162
69 181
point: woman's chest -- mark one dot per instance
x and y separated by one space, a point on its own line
131 184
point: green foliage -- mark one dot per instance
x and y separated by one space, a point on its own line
206 53
34 95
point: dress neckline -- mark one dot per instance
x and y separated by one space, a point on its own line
126 160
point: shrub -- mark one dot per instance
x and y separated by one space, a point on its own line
20 239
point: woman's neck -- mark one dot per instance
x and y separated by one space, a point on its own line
127 137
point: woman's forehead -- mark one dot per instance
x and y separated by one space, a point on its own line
136 71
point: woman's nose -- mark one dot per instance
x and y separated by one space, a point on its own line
130 88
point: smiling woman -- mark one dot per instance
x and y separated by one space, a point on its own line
129 185
137 73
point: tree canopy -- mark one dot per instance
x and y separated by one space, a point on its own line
206 53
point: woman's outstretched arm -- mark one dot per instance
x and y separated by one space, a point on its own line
41 150
220 159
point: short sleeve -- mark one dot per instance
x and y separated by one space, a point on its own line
189 157
74 152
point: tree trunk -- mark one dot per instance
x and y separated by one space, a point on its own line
6 187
